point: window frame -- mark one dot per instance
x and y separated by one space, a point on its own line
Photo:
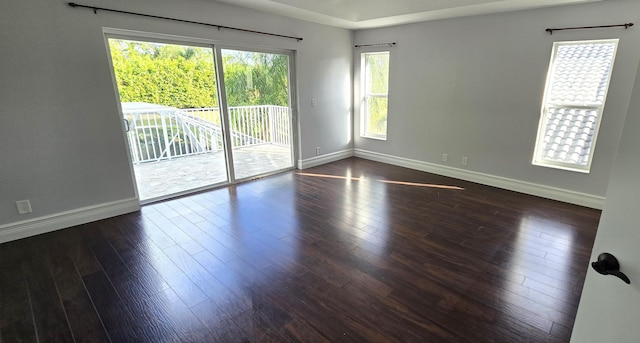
538 159
366 95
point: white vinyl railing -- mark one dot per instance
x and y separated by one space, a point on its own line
166 133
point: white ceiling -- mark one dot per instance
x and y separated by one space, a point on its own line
361 14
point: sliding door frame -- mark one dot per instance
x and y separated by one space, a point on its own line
217 48
292 103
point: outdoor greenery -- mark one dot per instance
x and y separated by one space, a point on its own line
169 75
184 76
376 89
255 78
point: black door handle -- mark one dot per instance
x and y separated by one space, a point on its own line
608 264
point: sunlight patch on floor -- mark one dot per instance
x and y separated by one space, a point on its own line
429 185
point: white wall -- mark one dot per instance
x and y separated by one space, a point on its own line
473 87
609 309
61 140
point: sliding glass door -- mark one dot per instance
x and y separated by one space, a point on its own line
258 111
169 100
184 133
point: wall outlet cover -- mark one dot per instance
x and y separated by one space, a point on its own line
23 206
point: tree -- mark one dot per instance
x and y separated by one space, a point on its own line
184 76
253 78
164 74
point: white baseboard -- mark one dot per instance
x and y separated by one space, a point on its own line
572 197
323 159
36 226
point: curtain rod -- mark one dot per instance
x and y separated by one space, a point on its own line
96 9
377 44
626 26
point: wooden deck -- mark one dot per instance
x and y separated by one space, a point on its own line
165 177
352 251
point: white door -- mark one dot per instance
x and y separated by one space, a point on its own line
609 309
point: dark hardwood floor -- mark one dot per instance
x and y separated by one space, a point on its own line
352 251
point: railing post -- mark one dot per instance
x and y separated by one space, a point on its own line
166 137
271 128
133 142
216 135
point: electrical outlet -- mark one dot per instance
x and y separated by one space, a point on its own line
314 102
465 160
23 206
445 157
317 150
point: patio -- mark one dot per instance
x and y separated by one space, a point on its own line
165 177
176 150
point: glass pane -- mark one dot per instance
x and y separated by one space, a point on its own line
376 119
377 73
169 99
568 135
575 96
581 73
257 89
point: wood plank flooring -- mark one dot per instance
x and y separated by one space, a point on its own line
352 251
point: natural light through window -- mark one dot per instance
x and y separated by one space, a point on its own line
404 183
575 94
375 89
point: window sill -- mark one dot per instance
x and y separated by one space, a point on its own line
561 167
378 138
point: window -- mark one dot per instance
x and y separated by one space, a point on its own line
375 82
575 93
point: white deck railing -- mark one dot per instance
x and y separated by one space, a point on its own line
166 133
